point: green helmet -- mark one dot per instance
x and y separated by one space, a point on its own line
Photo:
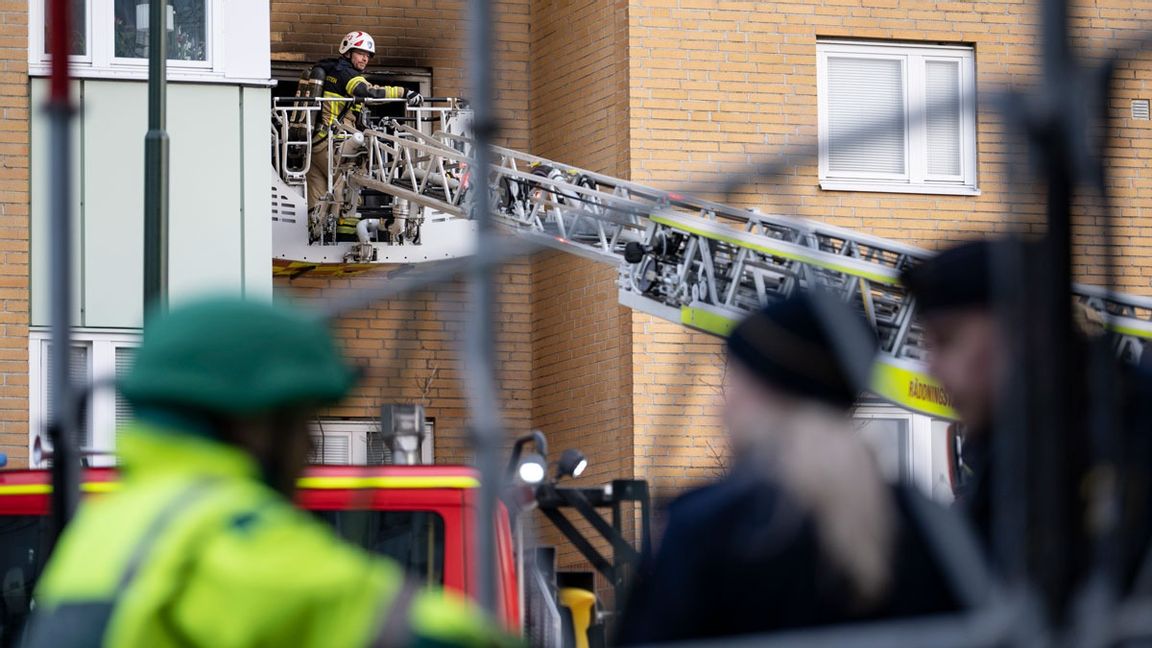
230 356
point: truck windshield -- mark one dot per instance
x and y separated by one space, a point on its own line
415 539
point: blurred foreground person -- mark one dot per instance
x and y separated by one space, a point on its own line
201 546
804 531
968 354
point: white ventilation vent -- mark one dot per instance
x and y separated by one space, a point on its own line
1140 109
286 208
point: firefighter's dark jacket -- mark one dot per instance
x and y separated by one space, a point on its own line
343 81
738 557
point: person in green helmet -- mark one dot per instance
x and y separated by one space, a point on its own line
201 546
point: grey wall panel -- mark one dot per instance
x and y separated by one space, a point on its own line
257 205
41 237
219 200
204 127
115 121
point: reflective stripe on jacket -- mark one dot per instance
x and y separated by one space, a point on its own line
341 79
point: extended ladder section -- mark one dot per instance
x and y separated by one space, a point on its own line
695 262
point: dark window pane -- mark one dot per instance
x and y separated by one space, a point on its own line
23 550
415 539
187 29
79 46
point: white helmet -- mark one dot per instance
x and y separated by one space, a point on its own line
358 40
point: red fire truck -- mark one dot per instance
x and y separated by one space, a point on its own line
419 515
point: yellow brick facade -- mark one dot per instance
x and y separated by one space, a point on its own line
14 226
411 350
717 85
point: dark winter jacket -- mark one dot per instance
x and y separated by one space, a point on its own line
738 557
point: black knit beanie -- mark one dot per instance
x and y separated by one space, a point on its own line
959 277
790 347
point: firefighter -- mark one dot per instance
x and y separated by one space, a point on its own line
201 545
343 78
803 531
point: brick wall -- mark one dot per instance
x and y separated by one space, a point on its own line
581 337
411 350
579 112
416 33
716 85
677 374
14 226
581 371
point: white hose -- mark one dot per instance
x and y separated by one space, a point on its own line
366 229
352 146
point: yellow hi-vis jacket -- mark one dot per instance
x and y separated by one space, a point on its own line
193 550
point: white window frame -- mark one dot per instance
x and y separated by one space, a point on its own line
916 179
108 17
101 61
36 26
357 431
102 345
917 459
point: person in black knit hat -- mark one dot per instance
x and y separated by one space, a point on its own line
968 352
803 531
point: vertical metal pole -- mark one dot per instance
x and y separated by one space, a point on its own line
156 160
1053 444
63 430
483 392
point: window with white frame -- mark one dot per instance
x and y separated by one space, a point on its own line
110 39
98 357
358 442
897 117
889 436
186 20
910 448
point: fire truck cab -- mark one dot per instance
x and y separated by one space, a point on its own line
419 515
422 516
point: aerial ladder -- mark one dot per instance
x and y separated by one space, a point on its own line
691 261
